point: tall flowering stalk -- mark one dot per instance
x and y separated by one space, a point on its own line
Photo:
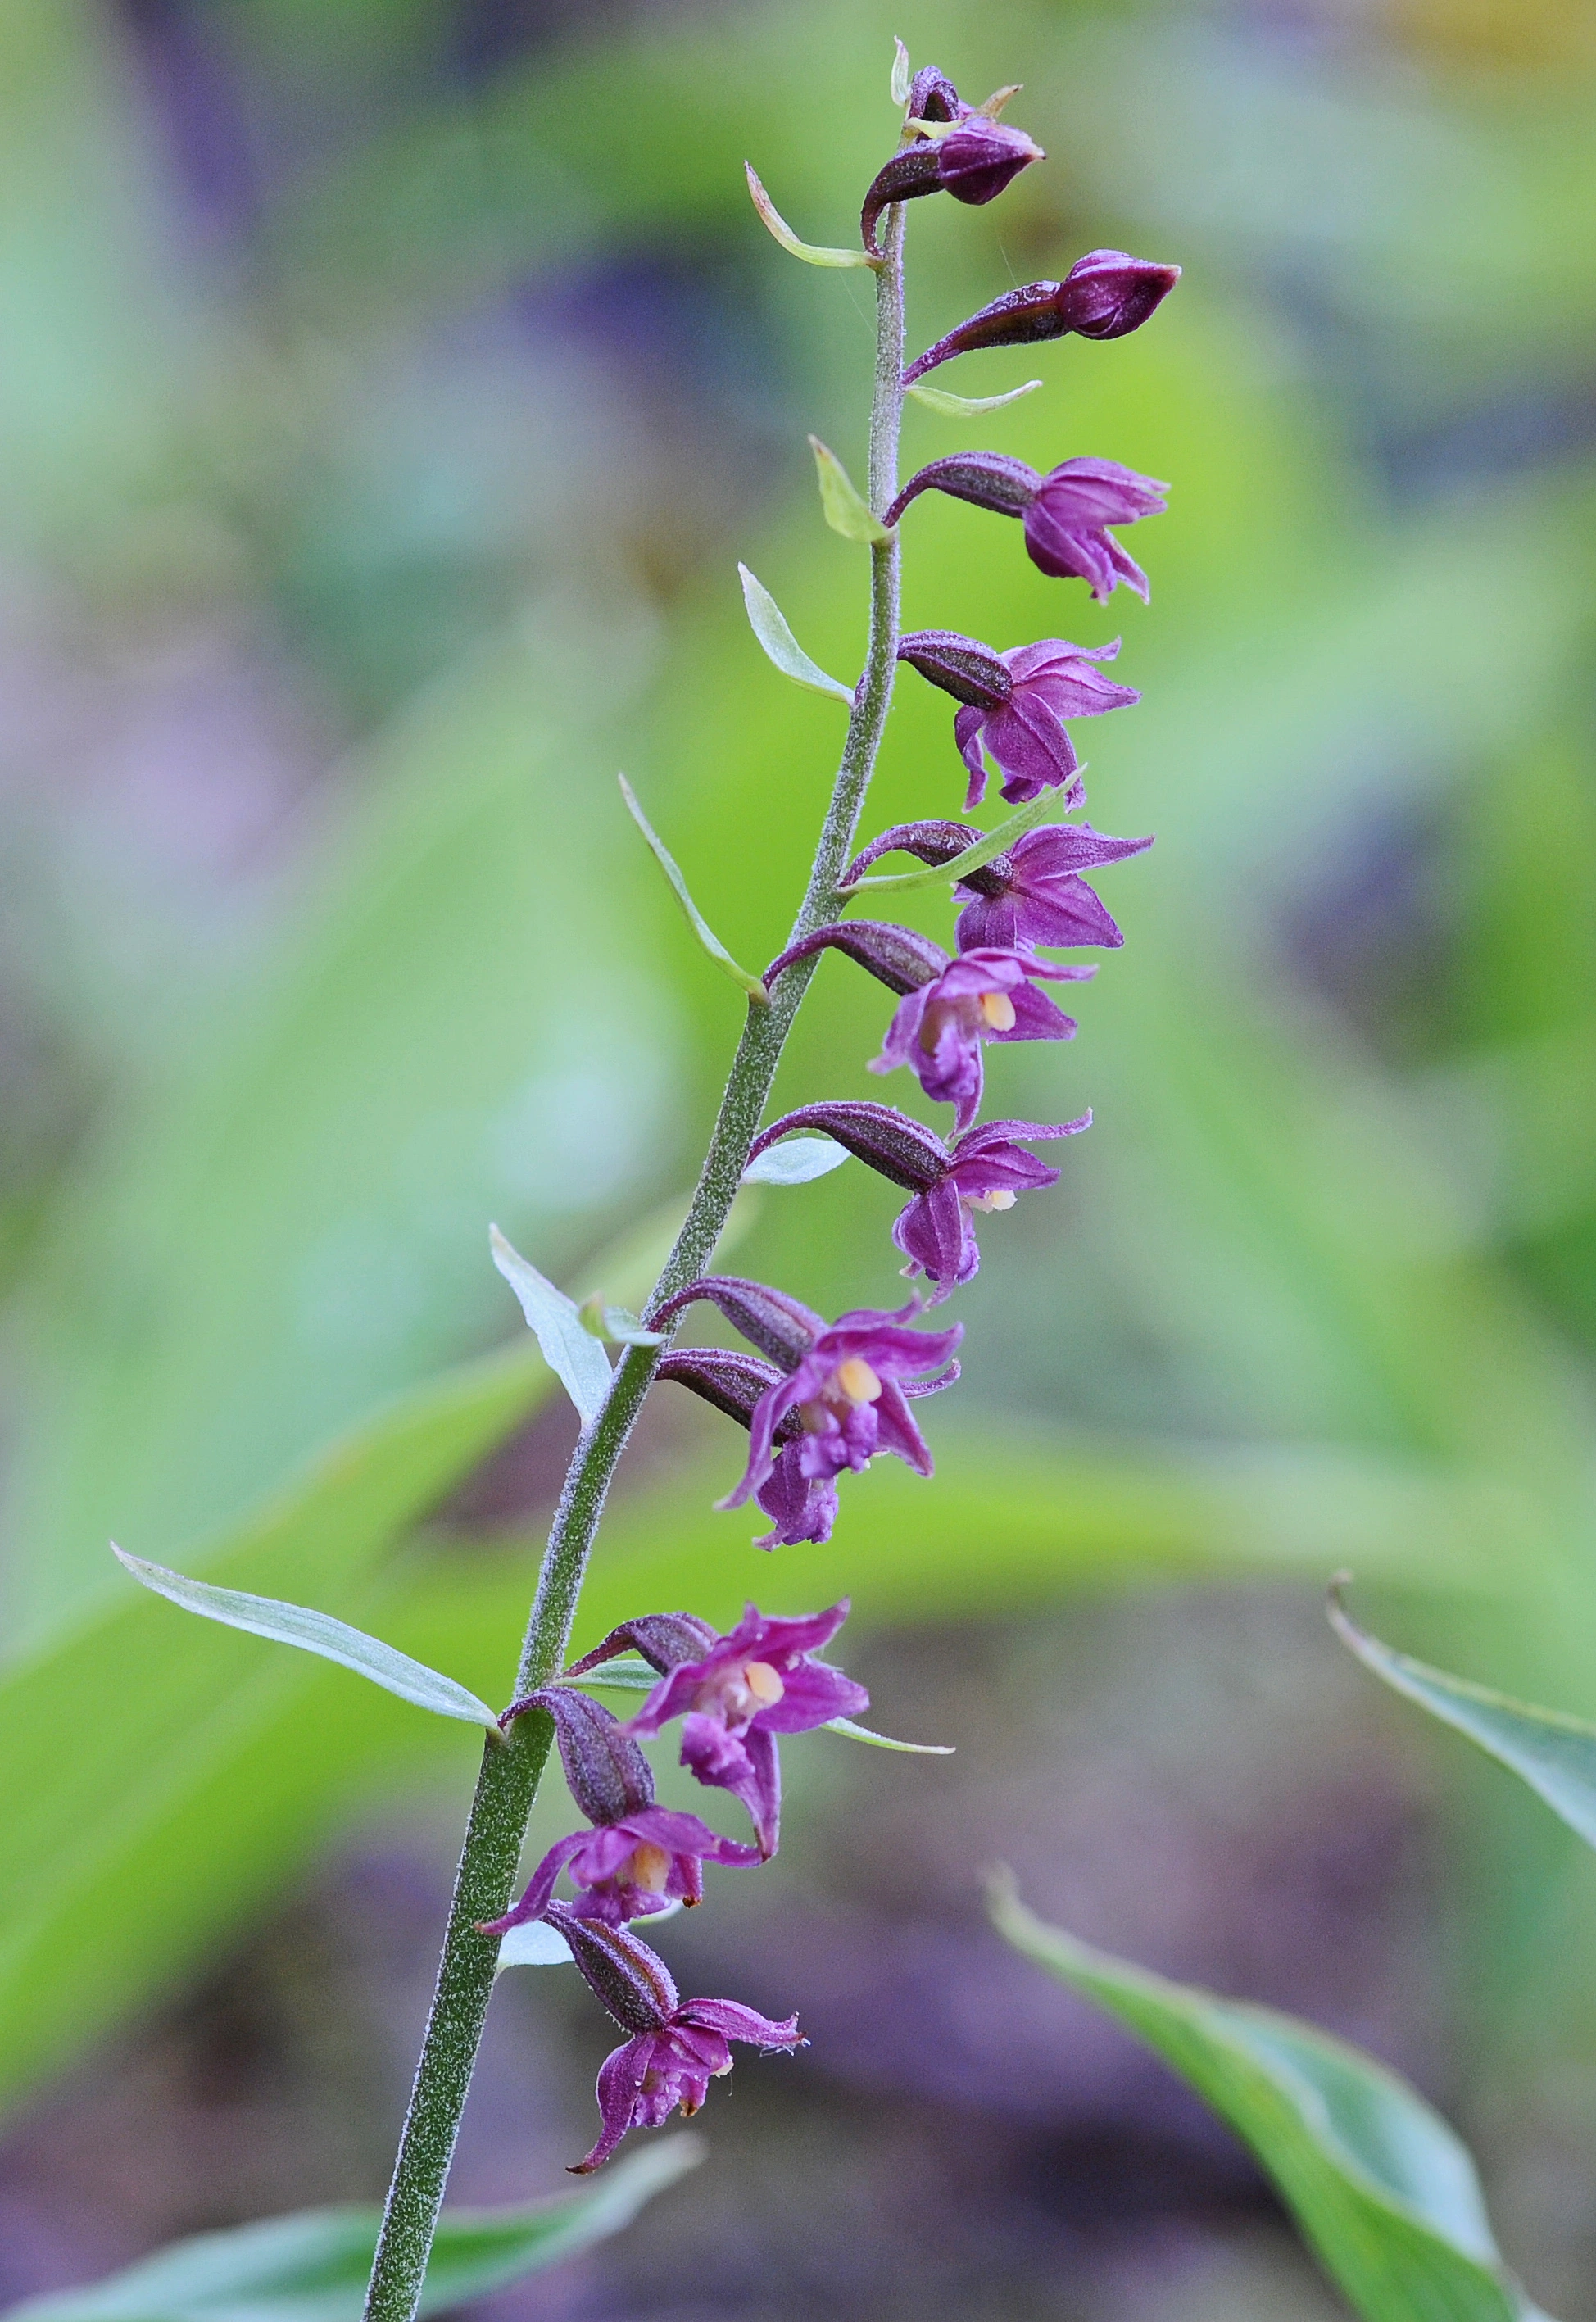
817 1397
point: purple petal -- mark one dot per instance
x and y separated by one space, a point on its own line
968 725
535 1901
898 1433
1030 747
1036 1018
620 2081
734 2022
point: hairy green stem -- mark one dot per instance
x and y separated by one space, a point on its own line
508 1783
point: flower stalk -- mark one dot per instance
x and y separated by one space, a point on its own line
508 1783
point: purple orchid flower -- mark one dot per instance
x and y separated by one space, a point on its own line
1015 702
735 1693
985 1169
639 1857
1105 294
939 1031
948 1007
974 159
1032 896
843 1379
1066 513
677 2046
801 1507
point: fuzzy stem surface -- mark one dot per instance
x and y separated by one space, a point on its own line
508 1783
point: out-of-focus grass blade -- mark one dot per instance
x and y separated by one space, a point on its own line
1383 2190
301 1625
1554 1753
313 2267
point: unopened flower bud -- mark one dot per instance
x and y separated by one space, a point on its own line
974 160
1105 294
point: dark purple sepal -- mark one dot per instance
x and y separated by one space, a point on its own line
778 1326
885 1139
895 956
928 842
932 96
987 480
1109 293
605 1772
1034 894
662 1639
1105 294
961 665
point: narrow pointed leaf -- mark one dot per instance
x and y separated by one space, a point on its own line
700 926
312 2267
842 505
314 1633
797 1161
902 79
982 849
812 253
1555 1754
574 1355
1383 2190
769 623
617 1325
627 1673
885 1742
965 407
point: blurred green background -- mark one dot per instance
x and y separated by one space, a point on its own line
388 391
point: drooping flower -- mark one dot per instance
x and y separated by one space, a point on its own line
638 1857
1031 896
677 2046
1034 894
939 1031
844 1380
948 1007
1066 513
1104 294
973 159
1015 704
984 1169
735 1693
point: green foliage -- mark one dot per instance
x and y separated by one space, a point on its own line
1383 2190
313 2267
314 1633
1553 1753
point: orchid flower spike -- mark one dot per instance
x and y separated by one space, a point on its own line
1104 294
843 1380
1066 513
986 1169
735 1693
638 1857
1015 704
677 2046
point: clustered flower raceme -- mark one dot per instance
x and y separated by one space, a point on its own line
820 1397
